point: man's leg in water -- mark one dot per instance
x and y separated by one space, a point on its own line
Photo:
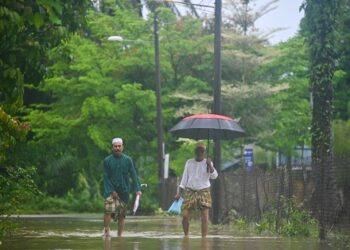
205 215
121 224
186 221
107 222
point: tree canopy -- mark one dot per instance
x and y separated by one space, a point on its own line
66 91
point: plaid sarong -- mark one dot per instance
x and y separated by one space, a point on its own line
197 199
115 207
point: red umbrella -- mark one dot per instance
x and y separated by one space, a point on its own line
207 126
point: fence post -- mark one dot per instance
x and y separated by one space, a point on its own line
279 194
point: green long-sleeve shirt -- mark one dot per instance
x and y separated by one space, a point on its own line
116 173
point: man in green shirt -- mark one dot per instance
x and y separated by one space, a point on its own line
117 169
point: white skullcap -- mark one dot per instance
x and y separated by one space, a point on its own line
117 140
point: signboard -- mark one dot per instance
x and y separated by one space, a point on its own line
248 159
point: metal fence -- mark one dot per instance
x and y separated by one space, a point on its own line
256 193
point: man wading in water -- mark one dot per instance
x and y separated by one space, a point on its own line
117 168
195 187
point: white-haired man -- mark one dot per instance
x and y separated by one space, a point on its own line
118 168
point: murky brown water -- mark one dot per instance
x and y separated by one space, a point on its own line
149 233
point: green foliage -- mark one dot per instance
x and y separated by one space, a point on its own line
12 131
192 86
250 105
340 240
264 159
237 220
291 120
342 75
17 187
90 104
181 155
88 90
185 48
341 137
72 201
267 223
295 220
28 29
95 90
341 146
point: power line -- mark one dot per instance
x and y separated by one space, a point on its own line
194 4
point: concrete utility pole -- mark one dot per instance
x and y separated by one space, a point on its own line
216 108
160 141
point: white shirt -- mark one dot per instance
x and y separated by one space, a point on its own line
195 175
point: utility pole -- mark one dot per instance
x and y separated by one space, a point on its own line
216 107
160 143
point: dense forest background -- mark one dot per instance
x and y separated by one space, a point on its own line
66 91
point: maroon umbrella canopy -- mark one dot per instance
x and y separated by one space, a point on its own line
207 126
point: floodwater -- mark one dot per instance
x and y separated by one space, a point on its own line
84 231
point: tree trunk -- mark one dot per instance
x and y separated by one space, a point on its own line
321 20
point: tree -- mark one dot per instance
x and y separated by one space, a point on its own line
91 101
245 48
27 30
321 18
291 121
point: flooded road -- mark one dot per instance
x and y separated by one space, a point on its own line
150 233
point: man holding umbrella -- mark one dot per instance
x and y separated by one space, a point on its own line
117 169
195 188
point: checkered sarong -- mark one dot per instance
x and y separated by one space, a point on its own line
197 199
115 207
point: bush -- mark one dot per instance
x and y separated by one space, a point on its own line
237 220
341 240
16 187
68 203
73 202
294 220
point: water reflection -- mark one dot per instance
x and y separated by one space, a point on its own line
184 243
107 244
118 243
204 244
149 233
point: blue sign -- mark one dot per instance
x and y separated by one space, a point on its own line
248 159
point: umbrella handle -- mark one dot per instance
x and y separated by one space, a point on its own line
208 154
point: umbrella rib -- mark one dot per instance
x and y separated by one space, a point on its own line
192 121
219 125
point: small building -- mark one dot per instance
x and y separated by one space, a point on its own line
302 157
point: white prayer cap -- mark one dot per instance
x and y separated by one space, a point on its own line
117 140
